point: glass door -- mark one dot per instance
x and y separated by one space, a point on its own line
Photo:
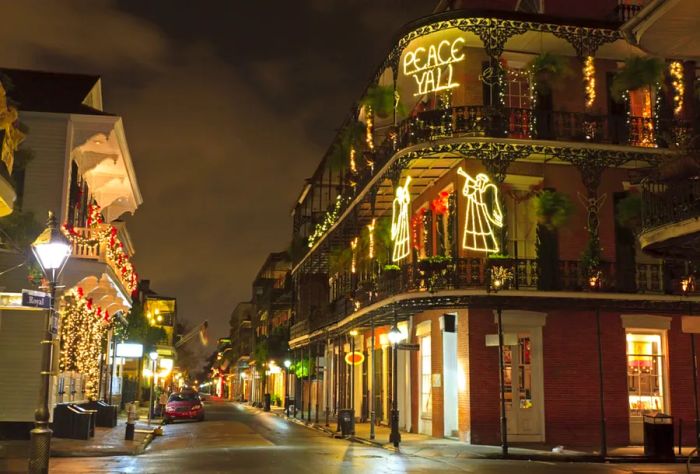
426 399
523 410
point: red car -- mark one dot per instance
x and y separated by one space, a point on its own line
184 406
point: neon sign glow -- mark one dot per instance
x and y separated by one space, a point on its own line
480 219
399 222
432 68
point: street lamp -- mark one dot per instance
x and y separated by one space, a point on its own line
353 334
395 336
154 357
51 249
287 365
499 277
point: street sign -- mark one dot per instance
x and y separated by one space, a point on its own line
408 347
53 324
36 299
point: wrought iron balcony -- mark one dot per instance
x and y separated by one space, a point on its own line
508 122
671 217
351 292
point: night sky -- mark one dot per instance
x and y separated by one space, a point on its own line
228 107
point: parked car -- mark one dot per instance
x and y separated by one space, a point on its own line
184 406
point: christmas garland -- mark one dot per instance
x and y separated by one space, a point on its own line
114 247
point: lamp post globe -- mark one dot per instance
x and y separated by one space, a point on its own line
287 363
395 335
51 250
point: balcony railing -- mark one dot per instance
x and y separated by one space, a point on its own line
626 9
669 201
90 243
508 122
351 292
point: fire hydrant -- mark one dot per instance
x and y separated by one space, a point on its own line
131 417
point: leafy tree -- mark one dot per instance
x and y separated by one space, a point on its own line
140 330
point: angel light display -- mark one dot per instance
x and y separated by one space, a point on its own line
480 218
399 222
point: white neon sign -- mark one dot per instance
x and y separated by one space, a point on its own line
432 69
479 221
399 222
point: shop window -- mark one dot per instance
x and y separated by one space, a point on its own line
645 373
517 372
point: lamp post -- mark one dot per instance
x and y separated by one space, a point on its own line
395 336
287 365
154 357
499 276
51 249
353 334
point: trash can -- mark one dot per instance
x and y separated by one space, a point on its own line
346 419
266 404
658 436
106 414
91 416
62 421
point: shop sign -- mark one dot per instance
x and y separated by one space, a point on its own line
354 358
129 350
432 68
509 339
408 347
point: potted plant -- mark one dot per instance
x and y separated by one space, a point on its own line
548 69
628 212
552 209
381 100
637 72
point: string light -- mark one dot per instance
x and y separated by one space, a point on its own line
589 80
329 219
400 221
370 231
83 328
353 165
676 72
369 119
353 262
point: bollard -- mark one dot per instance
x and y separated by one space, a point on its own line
131 418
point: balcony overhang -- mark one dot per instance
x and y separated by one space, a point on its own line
98 283
428 161
408 304
675 240
100 151
667 28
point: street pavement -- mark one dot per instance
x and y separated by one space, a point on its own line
235 438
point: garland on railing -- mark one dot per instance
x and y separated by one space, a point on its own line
114 247
83 327
329 219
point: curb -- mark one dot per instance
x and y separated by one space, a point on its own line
140 449
585 458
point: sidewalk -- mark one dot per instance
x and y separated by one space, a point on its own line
106 442
426 446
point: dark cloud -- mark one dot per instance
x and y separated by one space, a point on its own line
228 106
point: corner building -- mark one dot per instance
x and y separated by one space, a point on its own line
498 184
